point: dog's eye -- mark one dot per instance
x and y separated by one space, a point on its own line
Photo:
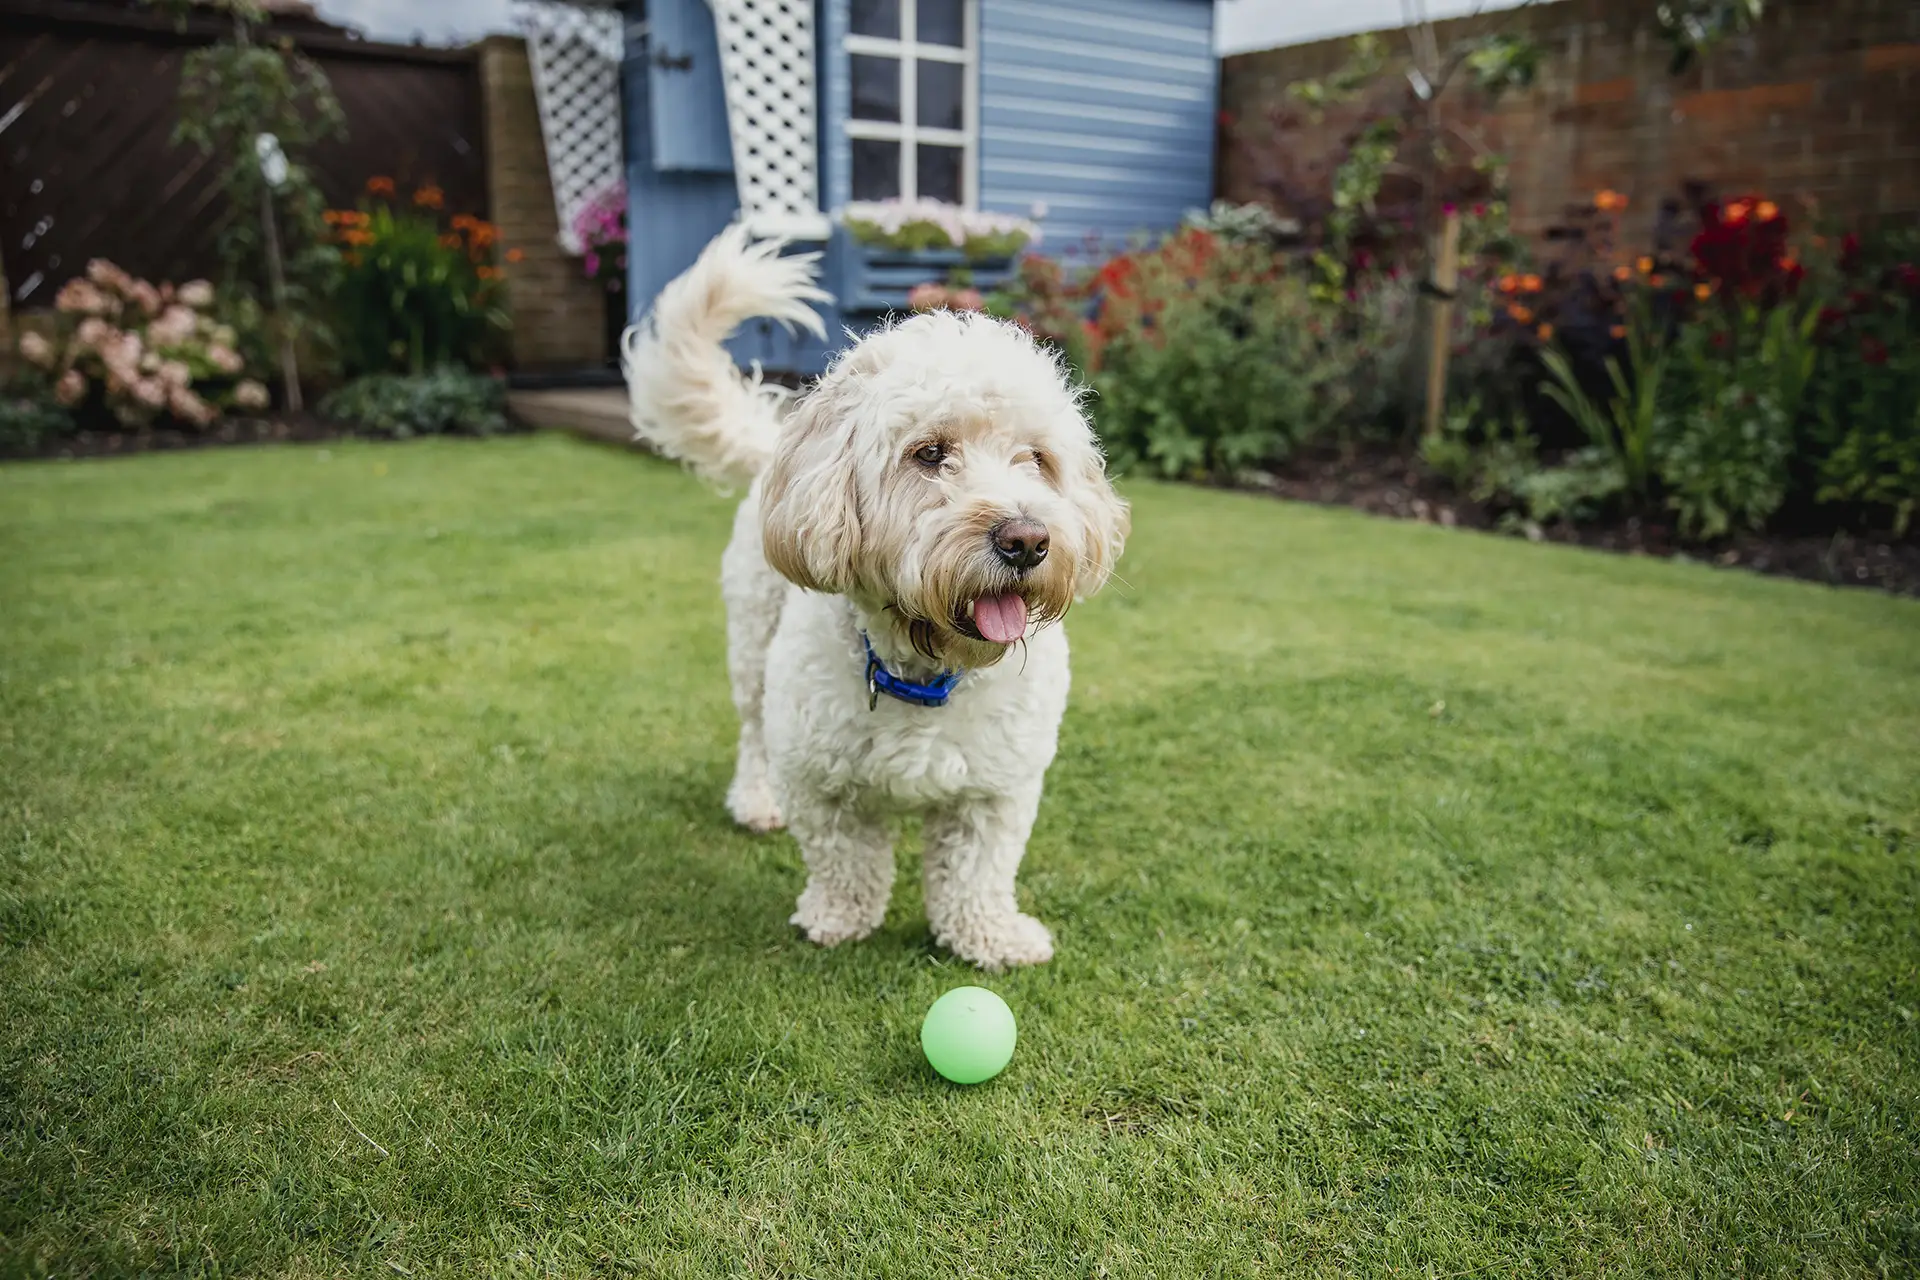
1025 456
930 455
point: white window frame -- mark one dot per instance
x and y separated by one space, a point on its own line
908 132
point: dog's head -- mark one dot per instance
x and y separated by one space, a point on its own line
943 470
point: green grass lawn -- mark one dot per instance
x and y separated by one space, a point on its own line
1428 904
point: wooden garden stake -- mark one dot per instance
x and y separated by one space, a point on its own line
1446 279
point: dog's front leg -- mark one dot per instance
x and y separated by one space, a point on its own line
974 849
849 858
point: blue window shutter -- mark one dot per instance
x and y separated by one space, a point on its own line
684 89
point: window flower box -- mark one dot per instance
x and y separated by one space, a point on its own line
876 279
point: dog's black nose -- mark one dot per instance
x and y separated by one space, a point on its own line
1021 543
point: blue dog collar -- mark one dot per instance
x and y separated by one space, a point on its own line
880 680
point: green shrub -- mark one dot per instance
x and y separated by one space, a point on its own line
29 415
1864 403
1725 464
447 401
414 297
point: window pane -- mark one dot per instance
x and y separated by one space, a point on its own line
876 169
876 87
939 172
876 18
940 94
942 22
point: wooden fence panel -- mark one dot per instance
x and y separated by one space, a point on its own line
88 168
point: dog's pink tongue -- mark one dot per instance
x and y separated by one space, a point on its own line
1001 619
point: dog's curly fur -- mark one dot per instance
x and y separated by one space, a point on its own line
871 508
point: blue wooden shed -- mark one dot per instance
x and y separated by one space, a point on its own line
1095 118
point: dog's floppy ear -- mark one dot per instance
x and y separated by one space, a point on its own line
1104 517
810 510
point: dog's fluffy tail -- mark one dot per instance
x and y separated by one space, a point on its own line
689 401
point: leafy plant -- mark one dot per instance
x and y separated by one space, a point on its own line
140 351
28 415
1726 463
257 108
1623 425
414 296
1488 459
918 225
446 401
1211 358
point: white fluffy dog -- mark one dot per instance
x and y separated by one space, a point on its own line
935 501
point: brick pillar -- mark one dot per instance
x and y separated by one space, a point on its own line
558 314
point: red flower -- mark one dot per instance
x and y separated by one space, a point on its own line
1849 251
1872 350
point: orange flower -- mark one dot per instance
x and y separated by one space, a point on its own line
1618 331
1546 332
429 197
1609 201
1623 274
488 273
379 186
1531 284
1703 291
1768 211
1645 265
514 255
1737 212
1658 281
483 234
450 241
353 259
1509 283
331 217
461 221
1520 314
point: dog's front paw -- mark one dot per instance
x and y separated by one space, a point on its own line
830 920
754 807
999 942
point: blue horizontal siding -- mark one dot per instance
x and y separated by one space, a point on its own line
1101 110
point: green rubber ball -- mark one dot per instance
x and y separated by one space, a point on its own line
968 1035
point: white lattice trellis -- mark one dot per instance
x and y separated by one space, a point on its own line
575 54
766 59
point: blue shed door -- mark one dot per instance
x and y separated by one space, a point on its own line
689 104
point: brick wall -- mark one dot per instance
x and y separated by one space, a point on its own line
558 314
1822 102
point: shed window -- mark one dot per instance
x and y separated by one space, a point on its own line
914 117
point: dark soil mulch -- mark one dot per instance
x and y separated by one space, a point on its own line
1394 483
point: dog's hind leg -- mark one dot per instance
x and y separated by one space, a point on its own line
754 594
973 852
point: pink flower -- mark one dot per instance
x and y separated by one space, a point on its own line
145 296
967 300
94 333
176 374
175 326
927 297
35 349
190 407
71 389
150 391
196 293
80 297
225 359
108 276
251 395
